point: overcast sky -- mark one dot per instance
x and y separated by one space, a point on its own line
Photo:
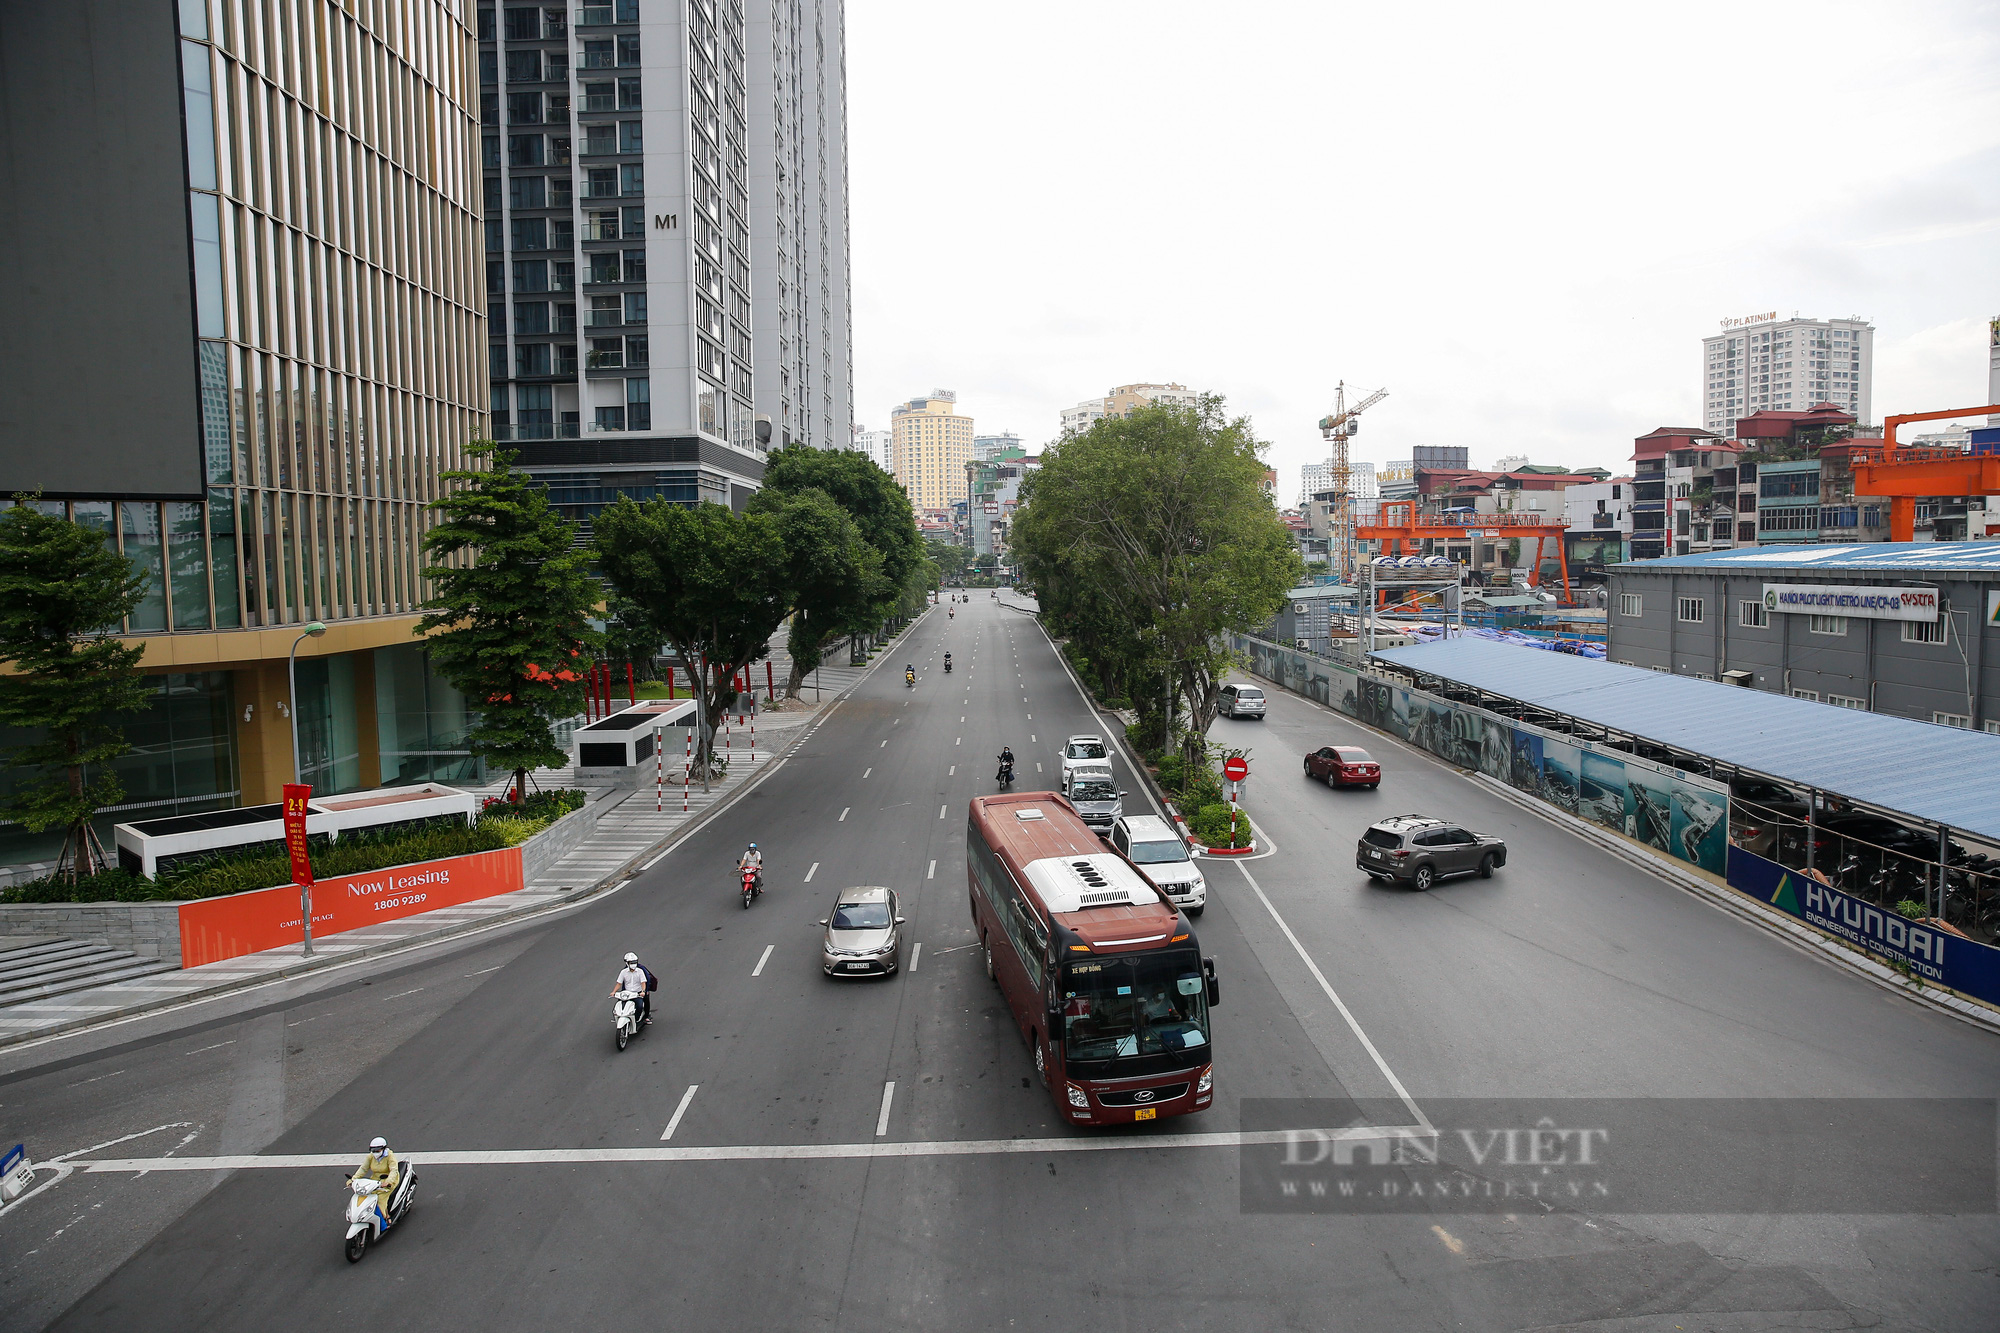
1520 220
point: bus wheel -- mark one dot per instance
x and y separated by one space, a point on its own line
989 960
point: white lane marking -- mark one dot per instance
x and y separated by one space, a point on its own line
843 814
884 745
1038 763
888 1095
961 717
959 741
126 1138
100 1078
756 1152
940 812
897 723
679 1111
917 949
1031 718
866 771
758 970
218 1046
932 872
811 872
1031 738
400 994
1338 1003
1451 1242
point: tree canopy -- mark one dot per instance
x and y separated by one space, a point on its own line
63 593
1147 537
509 619
714 582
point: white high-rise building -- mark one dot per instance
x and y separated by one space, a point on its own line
986 448
1316 477
876 444
1766 364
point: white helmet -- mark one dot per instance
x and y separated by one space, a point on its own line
377 1146
631 957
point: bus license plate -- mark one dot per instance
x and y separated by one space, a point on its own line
1146 1113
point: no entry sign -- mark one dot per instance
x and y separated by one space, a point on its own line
1235 769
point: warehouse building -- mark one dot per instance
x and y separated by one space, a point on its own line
1910 629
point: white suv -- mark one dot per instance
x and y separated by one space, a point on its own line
1082 750
1162 857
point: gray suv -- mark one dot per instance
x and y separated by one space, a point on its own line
1241 701
1419 851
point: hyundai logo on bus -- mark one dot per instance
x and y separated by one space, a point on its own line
1861 602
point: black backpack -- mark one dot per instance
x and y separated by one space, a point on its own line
652 982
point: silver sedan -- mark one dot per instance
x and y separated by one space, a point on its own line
864 935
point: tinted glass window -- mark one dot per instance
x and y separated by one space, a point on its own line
861 916
1381 837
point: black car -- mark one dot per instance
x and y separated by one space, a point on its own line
1419 851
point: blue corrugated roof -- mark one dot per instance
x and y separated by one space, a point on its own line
1941 774
1859 557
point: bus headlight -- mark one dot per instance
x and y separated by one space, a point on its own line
1207 1080
1076 1097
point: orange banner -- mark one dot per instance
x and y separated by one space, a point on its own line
213 929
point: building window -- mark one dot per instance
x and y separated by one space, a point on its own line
531 359
1917 631
604 266
531 317
639 404
631 136
632 178
1811 696
628 95
531 275
1826 624
528 192
635 307
530 233
610 418
1630 604
637 350
607 354
1746 532
1753 615
1689 610
1804 519
1951 720
1992 727
1848 701
628 48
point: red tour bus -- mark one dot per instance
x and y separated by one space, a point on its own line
1104 976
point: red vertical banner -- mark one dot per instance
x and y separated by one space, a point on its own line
296 796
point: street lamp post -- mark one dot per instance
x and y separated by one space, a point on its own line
313 631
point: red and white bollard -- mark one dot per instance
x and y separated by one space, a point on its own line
687 774
659 769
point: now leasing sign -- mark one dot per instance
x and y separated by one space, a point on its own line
1862 602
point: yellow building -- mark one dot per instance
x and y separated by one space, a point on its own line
929 446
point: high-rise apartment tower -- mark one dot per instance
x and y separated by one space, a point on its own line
931 444
1763 363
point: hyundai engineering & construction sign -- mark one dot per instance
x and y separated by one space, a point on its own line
1862 602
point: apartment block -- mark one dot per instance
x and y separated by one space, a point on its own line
1766 363
1123 400
930 444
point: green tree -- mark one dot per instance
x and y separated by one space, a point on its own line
509 616
63 592
951 559
713 581
1154 534
881 513
833 576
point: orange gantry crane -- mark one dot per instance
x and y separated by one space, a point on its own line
1399 522
1903 476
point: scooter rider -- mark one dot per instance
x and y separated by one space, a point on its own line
635 977
1006 763
910 673
947 661
381 1164
752 860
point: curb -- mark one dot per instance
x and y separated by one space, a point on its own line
570 898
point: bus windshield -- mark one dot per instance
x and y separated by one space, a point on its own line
1150 1004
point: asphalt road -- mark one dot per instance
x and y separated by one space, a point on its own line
1571 974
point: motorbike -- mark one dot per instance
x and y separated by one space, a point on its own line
947 668
753 884
1005 777
910 679
626 1007
366 1221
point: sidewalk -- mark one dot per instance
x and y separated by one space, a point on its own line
631 828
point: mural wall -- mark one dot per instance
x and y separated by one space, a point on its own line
1678 813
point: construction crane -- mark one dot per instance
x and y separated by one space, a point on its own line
1903 476
1337 428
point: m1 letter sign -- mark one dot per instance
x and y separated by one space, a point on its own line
296 796
1235 769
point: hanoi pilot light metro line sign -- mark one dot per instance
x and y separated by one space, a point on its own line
1862 602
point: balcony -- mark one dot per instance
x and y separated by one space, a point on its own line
567 430
603 319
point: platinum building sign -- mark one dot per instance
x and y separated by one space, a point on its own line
1861 602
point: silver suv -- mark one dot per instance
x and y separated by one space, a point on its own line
1241 701
1419 851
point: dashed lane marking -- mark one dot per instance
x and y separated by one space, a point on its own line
932 872
679 1111
811 871
888 1096
917 949
762 959
941 810
843 814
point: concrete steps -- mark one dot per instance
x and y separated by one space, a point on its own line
54 967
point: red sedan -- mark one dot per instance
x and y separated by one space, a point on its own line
1344 766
